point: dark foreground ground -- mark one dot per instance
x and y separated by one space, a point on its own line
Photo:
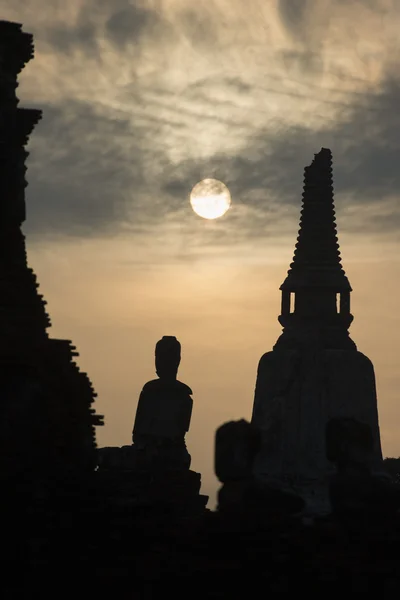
90 548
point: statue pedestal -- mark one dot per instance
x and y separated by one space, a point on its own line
124 481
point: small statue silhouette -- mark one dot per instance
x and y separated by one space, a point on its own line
236 446
355 490
164 411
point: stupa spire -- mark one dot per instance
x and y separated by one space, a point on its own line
317 258
316 276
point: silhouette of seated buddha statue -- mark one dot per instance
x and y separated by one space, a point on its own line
164 411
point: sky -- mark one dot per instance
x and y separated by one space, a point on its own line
143 99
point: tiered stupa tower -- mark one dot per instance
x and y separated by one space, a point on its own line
316 281
314 372
47 425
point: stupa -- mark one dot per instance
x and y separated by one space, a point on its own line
314 372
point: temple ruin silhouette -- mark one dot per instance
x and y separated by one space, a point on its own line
45 394
305 503
314 372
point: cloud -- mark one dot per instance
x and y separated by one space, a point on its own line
66 39
295 14
267 171
78 180
201 28
335 36
95 171
127 24
141 103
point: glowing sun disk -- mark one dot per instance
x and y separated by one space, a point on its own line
210 198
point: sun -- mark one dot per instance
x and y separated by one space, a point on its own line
210 198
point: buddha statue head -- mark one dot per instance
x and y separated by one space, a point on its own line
168 357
